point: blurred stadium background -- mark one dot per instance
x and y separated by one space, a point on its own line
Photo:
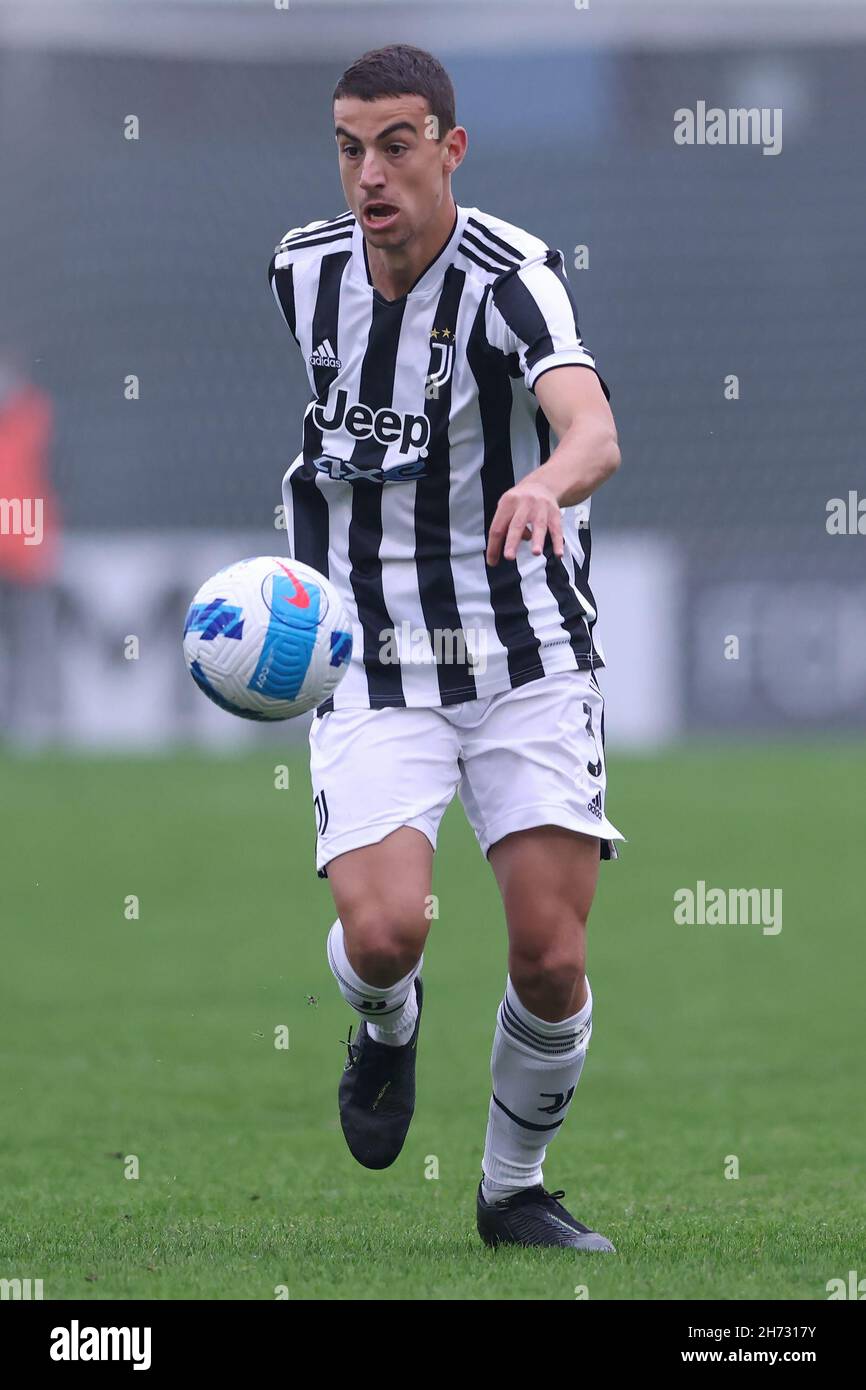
148 257
160 911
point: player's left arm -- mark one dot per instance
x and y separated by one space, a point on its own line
532 317
586 455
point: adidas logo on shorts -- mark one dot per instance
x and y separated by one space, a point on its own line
595 806
323 356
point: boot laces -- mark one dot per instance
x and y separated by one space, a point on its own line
352 1049
533 1194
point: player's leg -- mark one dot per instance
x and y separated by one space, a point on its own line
547 877
534 790
382 780
375 947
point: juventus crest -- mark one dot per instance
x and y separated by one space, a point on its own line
441 364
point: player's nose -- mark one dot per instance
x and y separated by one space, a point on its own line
372 174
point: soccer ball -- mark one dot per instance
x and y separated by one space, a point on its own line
267 638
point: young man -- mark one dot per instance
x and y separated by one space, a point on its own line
442 348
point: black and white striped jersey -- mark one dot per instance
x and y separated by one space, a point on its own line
422 414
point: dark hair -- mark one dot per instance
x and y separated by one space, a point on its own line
401 70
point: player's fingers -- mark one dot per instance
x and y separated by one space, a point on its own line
554 526
540 526
498 528
516 530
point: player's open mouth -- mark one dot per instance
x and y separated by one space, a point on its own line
380 214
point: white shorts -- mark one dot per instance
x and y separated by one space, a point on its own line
520 758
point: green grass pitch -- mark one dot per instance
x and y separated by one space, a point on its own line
155 1038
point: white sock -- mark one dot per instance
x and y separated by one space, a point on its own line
394 1007
535 1067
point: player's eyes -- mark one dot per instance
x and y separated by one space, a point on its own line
352 151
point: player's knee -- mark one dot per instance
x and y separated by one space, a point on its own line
383 960
548 981
383 945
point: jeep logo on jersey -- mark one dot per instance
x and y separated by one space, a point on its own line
386 426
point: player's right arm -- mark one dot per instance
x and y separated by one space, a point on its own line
298 248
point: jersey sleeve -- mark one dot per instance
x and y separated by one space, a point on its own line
281 280
532 314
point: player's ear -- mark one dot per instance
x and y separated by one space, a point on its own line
455 145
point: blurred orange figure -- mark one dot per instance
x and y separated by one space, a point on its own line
28 509
29 543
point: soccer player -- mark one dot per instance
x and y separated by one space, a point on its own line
442 349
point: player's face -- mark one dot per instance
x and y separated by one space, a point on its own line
394 175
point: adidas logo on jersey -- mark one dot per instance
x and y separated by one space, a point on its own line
595 806
324 356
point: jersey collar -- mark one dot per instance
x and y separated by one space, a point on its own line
428 280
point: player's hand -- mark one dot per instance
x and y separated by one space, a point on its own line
527 512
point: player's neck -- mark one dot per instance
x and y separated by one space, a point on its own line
394 272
